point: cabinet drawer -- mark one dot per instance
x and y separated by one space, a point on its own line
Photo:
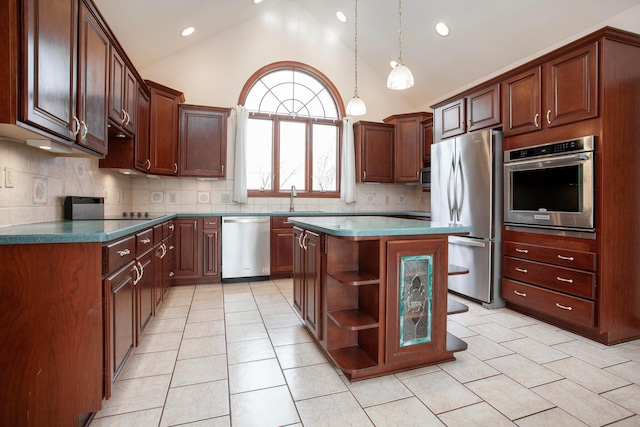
211 222
119 253
575 282
280 222
144 241
565 307
167 228
564 257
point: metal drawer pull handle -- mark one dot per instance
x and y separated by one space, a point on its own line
171 247
125 252
520 294
145 241
172 227
567 258
171 274
523 251
564 307
535 120
521 270
564 280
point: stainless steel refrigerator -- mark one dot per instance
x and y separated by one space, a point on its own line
466 188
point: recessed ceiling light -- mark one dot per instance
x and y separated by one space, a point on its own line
188 31
257 1
341 16
442 29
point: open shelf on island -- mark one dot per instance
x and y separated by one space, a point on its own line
455 344
355 277
352 359
455 307
353 319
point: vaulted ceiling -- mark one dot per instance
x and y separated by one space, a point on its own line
486 35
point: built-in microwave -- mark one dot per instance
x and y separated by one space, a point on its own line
551 186
425 177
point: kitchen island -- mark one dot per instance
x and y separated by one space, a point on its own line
373 291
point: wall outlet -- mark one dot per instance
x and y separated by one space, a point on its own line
8 177
371 198
225 198
173 198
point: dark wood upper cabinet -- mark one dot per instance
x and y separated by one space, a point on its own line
427 139
93 80
449 119
483 108
122 96
408 147
66 73
567 86
142 149
203 141
571 86
521 102
477 110
163 134
374 151
50 48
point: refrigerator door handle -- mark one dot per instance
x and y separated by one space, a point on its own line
459 180
452 206
466 242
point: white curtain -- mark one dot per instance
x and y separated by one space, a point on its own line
348 178
238 121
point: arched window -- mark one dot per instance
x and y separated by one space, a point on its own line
293 134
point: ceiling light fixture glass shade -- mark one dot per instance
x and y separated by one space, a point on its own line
400 77
356 106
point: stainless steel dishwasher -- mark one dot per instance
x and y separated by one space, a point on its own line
246 252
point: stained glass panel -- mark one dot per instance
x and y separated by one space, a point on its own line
416 304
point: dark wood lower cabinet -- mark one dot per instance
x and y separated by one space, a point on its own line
51 338
120 307
298 271
282 245
197 250
145 302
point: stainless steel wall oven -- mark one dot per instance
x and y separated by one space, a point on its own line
551 186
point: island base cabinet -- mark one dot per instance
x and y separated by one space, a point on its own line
416 302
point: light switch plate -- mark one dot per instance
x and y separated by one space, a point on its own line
8 177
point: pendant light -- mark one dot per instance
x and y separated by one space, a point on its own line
400 77
356 106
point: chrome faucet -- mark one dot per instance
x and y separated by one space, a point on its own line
293 194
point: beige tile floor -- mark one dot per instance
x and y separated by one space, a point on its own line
237 355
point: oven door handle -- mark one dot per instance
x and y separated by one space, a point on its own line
560 160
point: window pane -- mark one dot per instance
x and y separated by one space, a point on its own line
259 154
292 155
325 157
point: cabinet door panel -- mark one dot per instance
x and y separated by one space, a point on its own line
144 293
130 101
49 98
203 141
312 280
142 155
164 133
521 103
412 301
282 251
186 254
211 256
121 314
571 87
374 152
298 271
449 120
408 150
93 76
116 89
483 108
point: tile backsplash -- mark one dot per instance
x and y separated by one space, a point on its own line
42 181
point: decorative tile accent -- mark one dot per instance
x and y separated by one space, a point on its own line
39 192
157 197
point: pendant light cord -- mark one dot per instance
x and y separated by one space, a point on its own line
356 49
400 30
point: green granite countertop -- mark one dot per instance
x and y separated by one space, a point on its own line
67 231
366 226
